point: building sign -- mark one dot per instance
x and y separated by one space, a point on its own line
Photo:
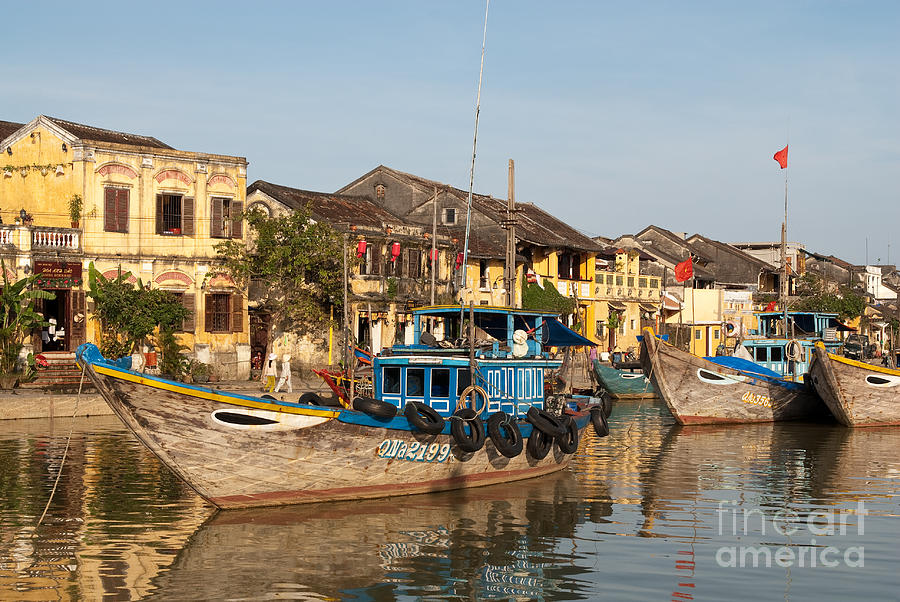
52 274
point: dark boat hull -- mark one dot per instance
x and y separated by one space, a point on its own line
858 394
292 453
698 391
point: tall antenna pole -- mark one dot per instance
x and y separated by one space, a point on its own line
474 145
509 279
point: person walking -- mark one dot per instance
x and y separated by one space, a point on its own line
285 378
270 369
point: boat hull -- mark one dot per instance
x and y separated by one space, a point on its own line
623 385
698 391
292 454
858 394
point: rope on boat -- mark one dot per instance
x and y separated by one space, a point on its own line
65 451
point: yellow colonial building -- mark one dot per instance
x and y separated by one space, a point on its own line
72 194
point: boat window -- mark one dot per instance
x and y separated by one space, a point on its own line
391 379
761 354
776 354
463 380
415 382
440 383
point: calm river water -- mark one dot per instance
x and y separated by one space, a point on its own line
652 512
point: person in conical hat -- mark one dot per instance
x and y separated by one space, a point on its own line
285 377
270 370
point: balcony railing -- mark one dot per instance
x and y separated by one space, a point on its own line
26 238
57 239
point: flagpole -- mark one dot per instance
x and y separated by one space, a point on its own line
786 286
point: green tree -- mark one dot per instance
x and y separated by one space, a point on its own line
130 314
813 297
295 265
18 317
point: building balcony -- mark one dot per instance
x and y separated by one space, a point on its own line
40 238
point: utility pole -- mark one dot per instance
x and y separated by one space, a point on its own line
434 261
509 274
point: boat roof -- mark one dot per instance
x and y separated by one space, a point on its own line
824 314
483 309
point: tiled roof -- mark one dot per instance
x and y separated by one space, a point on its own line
534 225
356 210
88 132
7 128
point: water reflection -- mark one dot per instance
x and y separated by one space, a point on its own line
641 515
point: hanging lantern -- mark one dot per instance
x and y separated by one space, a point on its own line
459 260
395 251
361 248
434 255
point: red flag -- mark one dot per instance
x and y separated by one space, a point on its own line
770 306
684 270
781 157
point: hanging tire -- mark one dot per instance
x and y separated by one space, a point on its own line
505 434
568 443
599 421
606 403
310 399
424 417
375 407
267 396
470 441
539 444
545 422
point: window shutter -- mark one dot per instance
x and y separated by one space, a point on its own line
375 268
109 209
208 318
187 216
78 327
122 210
237 313
215 224
189 324
159 214
237 231
404 269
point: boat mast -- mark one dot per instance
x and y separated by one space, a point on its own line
784 264
509 223
474 145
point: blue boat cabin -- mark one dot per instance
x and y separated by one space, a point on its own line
770 346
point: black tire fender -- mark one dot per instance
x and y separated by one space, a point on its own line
375 407
311 399
539 444
474 439
545 421
601 427
423 417
505 434
568 443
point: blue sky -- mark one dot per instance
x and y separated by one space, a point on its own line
618 115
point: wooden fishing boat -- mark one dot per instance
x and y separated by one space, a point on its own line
857 393
242 451
700 391
623 385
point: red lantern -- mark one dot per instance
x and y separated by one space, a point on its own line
434 255
459 260
360 248
395 251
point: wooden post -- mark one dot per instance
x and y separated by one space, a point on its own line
472 340
509 281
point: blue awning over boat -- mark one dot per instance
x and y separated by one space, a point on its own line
738 363
557 335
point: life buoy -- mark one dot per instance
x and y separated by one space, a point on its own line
470 441
601 427
730 328
424 417
375 407
505 434
310 398
793 350
545 422
539 444
568 443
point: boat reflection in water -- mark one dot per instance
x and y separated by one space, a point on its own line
497 540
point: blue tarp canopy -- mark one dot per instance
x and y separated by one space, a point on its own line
557 335
737 363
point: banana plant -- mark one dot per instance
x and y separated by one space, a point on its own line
18 317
